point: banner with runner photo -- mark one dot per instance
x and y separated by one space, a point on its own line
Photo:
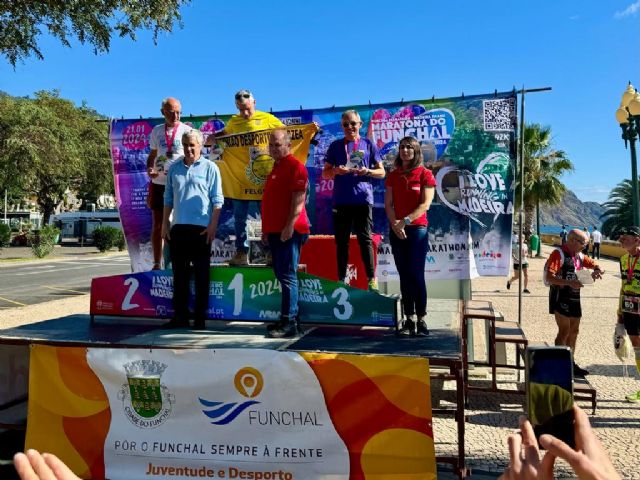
129 152
130 149
141 413
468 142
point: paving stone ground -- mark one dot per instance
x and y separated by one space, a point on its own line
492 417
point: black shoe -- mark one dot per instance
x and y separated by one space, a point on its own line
174 323
579 372
275 325
299 327
421 328
526 290
508 285
408 328
287 330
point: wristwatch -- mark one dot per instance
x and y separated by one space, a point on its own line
407 221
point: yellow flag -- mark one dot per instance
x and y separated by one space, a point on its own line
245 163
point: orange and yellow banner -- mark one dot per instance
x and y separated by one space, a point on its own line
244 159
231 413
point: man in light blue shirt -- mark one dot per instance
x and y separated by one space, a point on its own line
194 195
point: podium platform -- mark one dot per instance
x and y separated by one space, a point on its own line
443 348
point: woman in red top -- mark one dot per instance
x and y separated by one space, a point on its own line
410 188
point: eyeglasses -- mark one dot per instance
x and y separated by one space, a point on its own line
406 146
350 124
243 95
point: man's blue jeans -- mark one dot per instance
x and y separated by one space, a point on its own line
285 266
410 256
240 213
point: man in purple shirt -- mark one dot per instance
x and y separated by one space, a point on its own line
350 162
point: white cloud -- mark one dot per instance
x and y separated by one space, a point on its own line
629 11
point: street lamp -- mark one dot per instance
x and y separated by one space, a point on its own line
628 116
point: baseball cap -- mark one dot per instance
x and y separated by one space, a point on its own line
243 95
632 231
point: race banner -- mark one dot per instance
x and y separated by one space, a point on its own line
130 149
129 152
245 161
468 142
140 413
243 293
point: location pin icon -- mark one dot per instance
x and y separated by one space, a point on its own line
249 383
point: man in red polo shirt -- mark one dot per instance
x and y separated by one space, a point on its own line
285 227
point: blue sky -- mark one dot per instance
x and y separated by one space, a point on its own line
318 54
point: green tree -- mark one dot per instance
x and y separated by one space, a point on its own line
90 21
543 167
97 175
49 146
618 213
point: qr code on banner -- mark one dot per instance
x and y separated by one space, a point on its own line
499 114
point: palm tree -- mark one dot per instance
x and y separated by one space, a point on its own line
543 167
618 212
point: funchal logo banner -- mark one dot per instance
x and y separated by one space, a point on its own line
139 414
468 142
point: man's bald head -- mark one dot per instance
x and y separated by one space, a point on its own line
171 110
576 240
279 144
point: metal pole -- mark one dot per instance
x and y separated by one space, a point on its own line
521 209
539 249
5 206
634 178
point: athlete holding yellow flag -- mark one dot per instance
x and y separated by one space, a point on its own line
248 119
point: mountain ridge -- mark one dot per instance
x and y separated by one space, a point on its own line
572 211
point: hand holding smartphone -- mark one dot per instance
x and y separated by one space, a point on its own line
549 389
589 461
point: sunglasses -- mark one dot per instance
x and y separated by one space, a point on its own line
350 124
405 147
243 95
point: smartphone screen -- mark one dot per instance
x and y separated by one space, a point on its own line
550 392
